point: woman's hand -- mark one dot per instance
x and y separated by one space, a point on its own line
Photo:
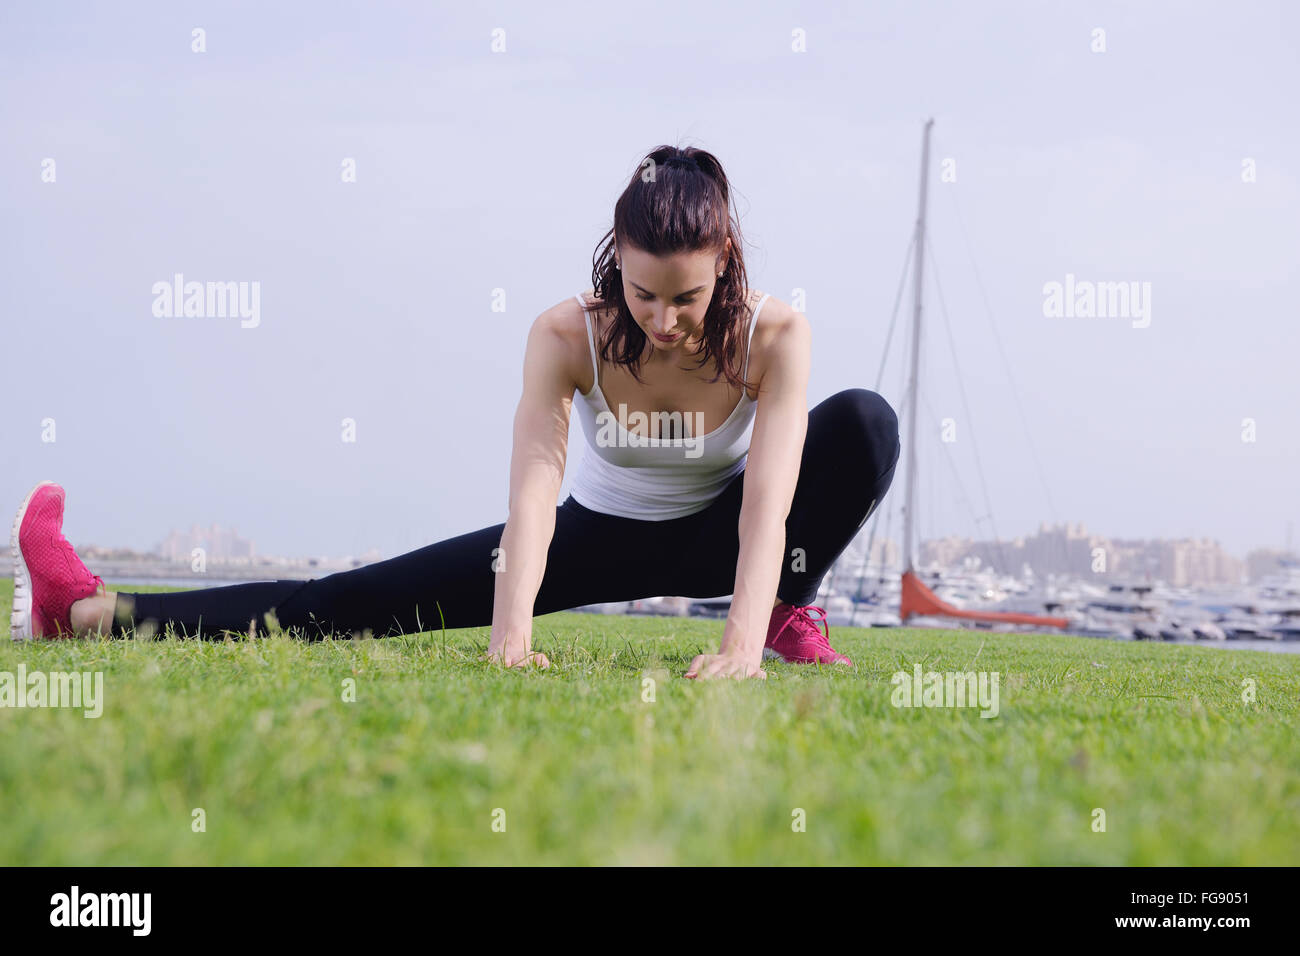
709 666
515 652
518 658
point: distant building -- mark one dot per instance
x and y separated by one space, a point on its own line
1265 561
1070 549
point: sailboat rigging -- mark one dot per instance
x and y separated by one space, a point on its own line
915 598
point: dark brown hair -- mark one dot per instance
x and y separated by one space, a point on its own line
665 209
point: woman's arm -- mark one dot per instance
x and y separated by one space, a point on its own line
771 473
541 433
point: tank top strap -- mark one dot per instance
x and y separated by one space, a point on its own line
752 322
591 342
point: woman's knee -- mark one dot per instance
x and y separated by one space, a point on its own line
864 417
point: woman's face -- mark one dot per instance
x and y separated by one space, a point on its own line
668 295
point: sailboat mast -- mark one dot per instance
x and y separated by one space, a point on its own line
910 501
914 598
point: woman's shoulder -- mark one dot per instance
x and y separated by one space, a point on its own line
566 323
777 321
775 314
780 327
568 319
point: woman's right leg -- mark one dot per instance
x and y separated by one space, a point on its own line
450 583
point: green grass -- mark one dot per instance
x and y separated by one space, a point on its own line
256 733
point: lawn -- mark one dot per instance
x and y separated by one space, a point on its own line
442 759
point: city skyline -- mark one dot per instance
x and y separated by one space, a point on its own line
948 550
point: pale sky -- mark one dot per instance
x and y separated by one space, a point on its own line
478 171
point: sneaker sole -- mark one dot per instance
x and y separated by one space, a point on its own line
771 655
20 618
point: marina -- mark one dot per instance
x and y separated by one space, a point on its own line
1265 616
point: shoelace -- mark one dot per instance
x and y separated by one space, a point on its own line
62 542
813 625
99 582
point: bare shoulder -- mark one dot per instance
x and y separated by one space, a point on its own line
777 317
781 331
564 325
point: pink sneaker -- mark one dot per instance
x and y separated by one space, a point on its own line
48 575
795 636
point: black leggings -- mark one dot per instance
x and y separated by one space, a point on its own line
848 462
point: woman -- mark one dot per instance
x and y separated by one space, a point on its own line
693 484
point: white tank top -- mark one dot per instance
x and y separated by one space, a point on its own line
655 479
